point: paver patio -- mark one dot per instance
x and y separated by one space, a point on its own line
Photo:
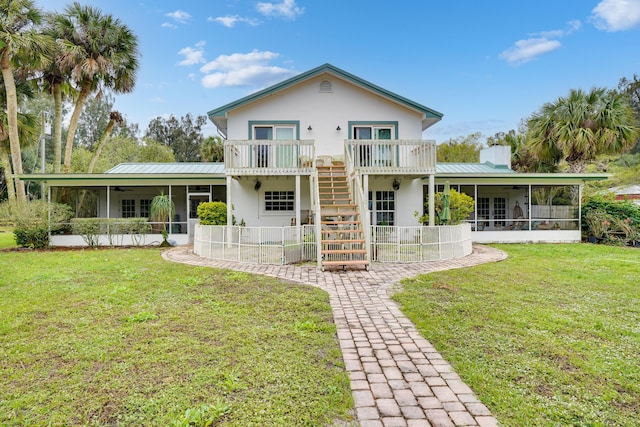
397 376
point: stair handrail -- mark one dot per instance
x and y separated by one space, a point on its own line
354 181
317 216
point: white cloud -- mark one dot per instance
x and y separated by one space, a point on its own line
243 69
193 55
526 50
168 25
179 16
286 9
616 15
230 20
572 26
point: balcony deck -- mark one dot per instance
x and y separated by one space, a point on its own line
298 157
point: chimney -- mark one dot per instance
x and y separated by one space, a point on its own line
497 155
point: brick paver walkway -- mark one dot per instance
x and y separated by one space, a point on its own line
397 377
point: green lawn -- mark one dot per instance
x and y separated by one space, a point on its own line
549 337
6 238
121 337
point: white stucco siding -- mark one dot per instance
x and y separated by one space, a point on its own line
408 198
249 204
324 112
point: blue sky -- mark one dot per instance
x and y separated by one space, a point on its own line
485 65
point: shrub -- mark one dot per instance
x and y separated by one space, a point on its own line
33 220
616 222
92 228
460 206
212 213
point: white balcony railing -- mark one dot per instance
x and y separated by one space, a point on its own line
392 156
266 157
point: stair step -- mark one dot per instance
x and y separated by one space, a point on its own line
346 263
354 222
343 251
342 230
341 214
341 241
344 205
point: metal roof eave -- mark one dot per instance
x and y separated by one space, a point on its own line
522 178
77 180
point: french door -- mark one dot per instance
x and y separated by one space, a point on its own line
492 211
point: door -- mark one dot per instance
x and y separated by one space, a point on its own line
378 155
193 200
492 212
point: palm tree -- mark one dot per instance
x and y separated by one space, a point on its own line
18 41
101 52
582 126
114 118
212 149
27 130
161 210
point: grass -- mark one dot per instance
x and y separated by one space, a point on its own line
121 337
549 337
6 238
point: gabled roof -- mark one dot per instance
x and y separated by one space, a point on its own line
465 168
219 115
167 168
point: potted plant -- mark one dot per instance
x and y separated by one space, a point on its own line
162 210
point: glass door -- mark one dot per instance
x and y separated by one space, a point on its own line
193 201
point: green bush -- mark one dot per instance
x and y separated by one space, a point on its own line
92 228
212 213
616 222
460 206
33 220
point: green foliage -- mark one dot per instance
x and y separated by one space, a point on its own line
92 228
617 222
463 149
122 150
212 213
460 205
212 149
31 220
183 136
203 415
577 128
162 209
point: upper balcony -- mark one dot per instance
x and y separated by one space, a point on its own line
298 157
269 157
392 157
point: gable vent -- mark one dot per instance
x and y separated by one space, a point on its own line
326 86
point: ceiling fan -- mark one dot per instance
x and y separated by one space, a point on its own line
122 189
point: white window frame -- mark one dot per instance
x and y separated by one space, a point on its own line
374 199
289 197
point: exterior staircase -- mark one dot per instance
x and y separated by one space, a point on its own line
342 237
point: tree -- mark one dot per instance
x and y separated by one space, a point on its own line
114 118
212 149
463 149
631 88
102 52
183 136
579 127
162 210
27 131
19 44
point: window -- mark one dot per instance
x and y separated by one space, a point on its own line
264 156
128 208
381 154
145 208
383 207
278 201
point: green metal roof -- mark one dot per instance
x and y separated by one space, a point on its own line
219 115
466 168
168 168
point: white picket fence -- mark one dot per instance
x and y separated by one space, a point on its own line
287 245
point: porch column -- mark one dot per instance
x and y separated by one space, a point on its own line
297 200
170 216
432 200
229 212
365 188
108 201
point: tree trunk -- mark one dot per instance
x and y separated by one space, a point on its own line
57 127
73 124
100 145
8 176
12 119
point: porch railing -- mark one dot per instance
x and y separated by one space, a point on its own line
357 192
269 157
392 156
